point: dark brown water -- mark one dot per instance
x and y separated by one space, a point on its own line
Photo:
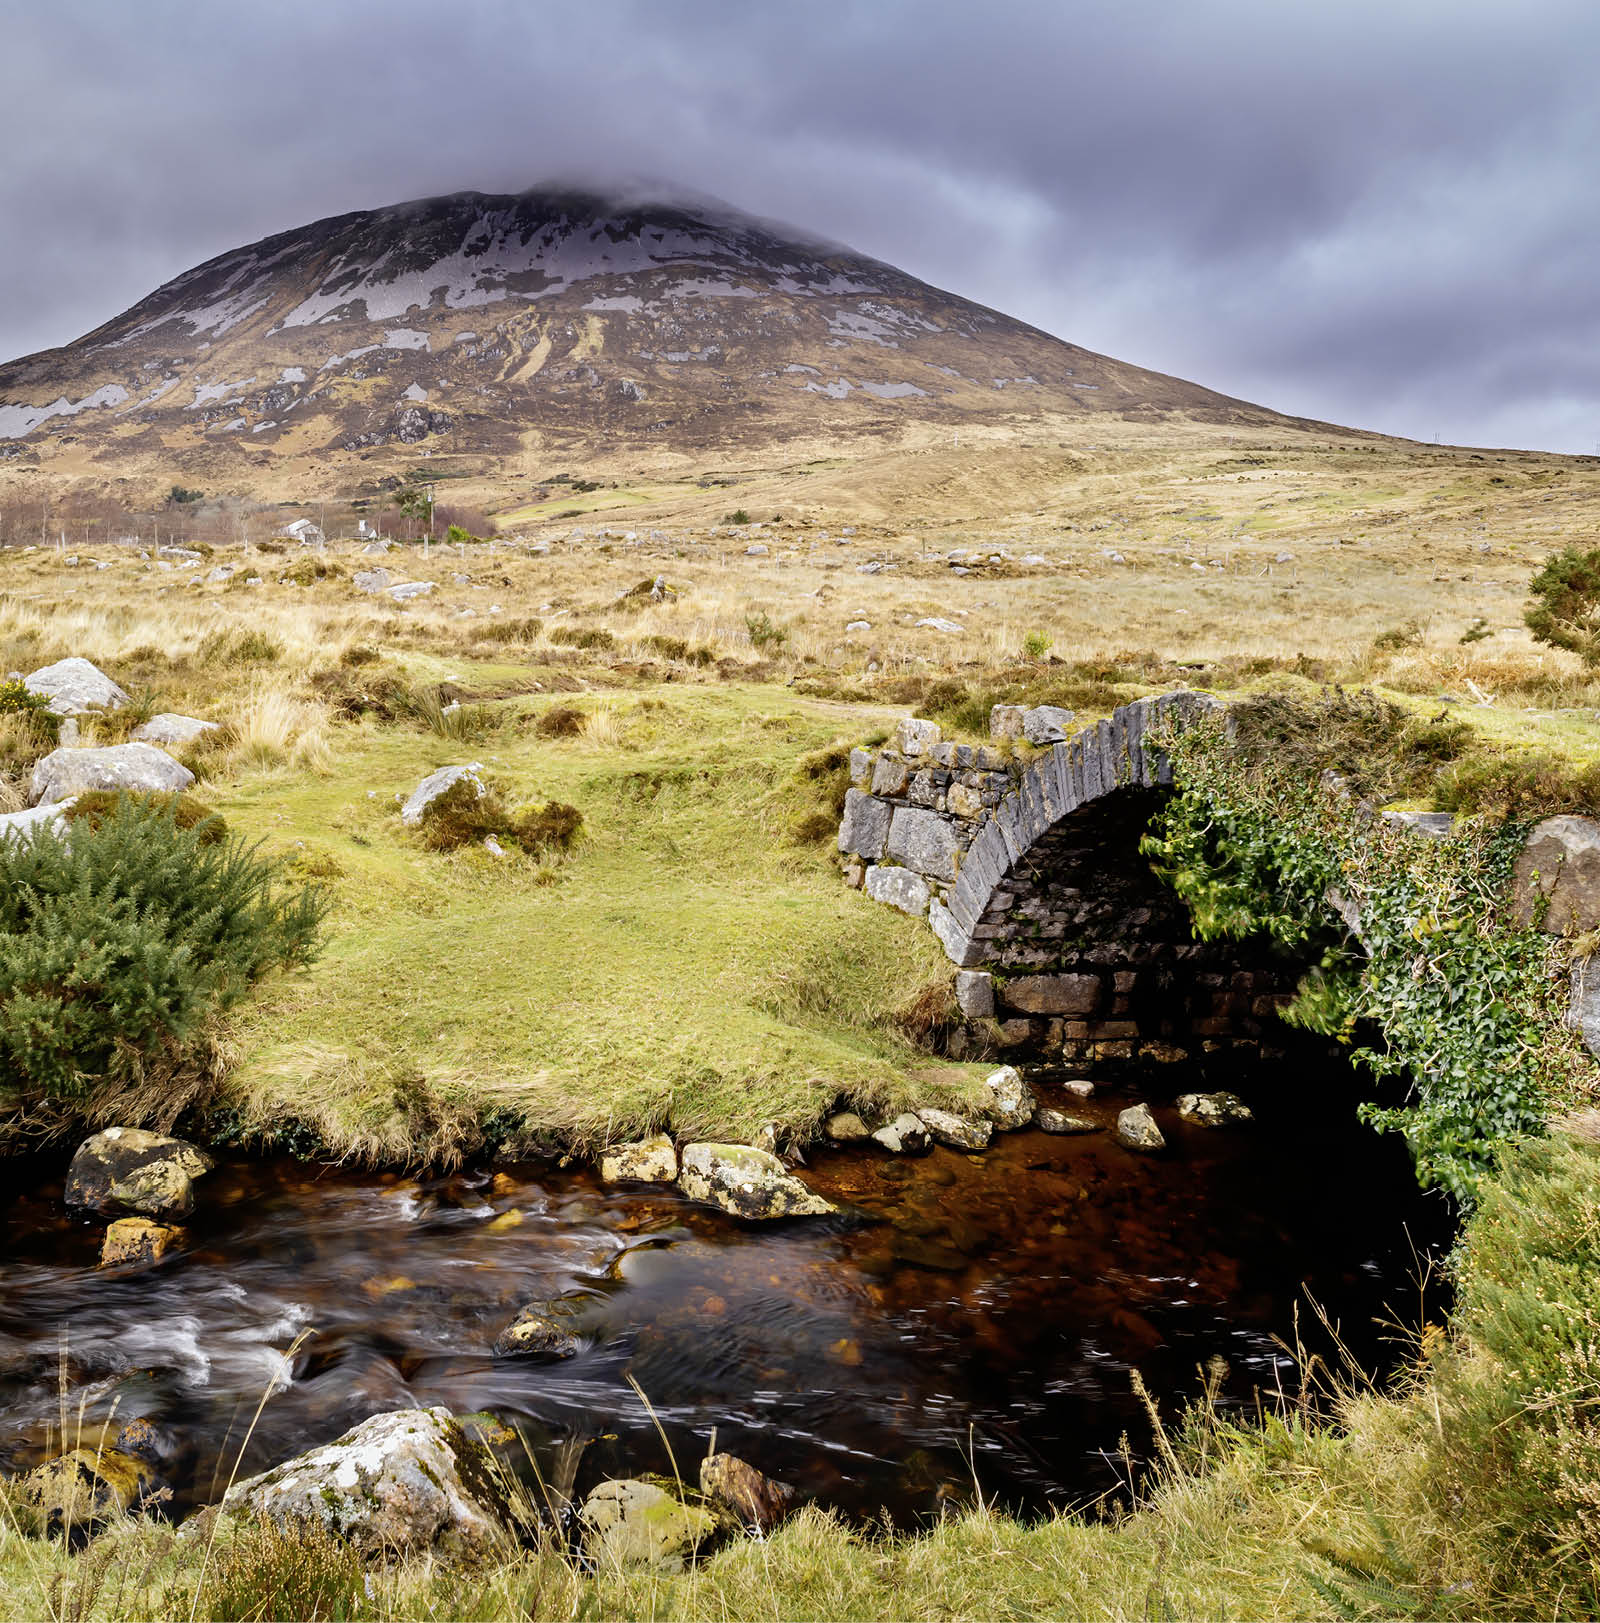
985 1322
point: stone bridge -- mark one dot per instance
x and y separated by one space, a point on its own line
1025 861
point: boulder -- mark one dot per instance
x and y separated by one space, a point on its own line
915 739
126 1169
1060 1121
1583 1007
410 589
370 580
1079 1087
1052 994
1012 1102
905 1135
899 887
168 728
629 1524
541 1330
74 686
975 994
133 1240
24 825
864 828
1214 1109
649 1160
925 841
1006 721
399 1484
746 1182
756 1501
88 1487
846 1127
956 1131
436 784
1137 1130
1047 724
1556 882
141 768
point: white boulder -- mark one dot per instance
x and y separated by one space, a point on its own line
168 728
140 768
436 784
74 686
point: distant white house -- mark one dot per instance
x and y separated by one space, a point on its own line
301 530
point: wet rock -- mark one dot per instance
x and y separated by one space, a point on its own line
169 728
1047 724
1053 994
1137 1130
1555 885
1079 1088
397 1484
755 1501
88 1487
905 1135
140 768
649 1160
746 1182
975 994
1060 1121
846 1127
126 1169
1214 1109
541 1330
956 1131
1012 1101
133 1240
629 1524
74 686
436 784
864 829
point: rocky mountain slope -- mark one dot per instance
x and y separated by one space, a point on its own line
482 325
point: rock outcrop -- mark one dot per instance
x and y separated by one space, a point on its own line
74 687
138 768
746 1182
649 1160
130 1170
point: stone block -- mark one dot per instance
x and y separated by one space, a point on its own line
975 993
864 829
1556 882
915 739
943 755
861 767
1046 724
1583 1012
1053 994
959 947
890 775
925 841
964 802
898 887
923 789
1006 721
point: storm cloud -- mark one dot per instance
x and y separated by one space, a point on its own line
1378 214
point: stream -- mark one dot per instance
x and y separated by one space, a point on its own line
982 1325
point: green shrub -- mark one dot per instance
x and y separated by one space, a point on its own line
1521 787
98 806
765 632
41 723
117 945
464 816
737 516
1037 644
1564 606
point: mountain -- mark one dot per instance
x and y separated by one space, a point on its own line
492 325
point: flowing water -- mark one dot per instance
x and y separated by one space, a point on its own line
978 1317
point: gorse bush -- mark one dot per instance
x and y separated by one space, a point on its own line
1564 606
96 807
17 699
117 943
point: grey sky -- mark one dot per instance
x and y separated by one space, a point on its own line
1384 214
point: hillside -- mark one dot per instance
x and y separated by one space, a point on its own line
549 321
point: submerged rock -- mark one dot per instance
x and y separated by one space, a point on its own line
1214 1109
132 1240
638 1524
956 1131
541 1329
1137 1130
905 1135
755 1501
397 1484
89 1486
126 1169
1012 1099
74 686
140 768
746 1182
1061 1121
648 1160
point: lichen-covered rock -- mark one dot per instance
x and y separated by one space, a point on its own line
1137 1130
905 1135
1214 1109
746 1182
1006 721
133 1240
864 828
639 1524
74 686
1061 1121
406 590
140 768
1047 724
915 739
923 840
755 1501
170 728
648 1160
89 1486
397 1484
899 887
439 783
1012 1103
846 1127
1583 1006
371 580
1556 882
541 1330
126 1169
956 1131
